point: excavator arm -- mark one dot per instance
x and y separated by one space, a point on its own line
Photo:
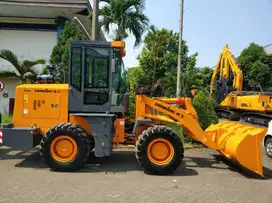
226 62
234 103
238 142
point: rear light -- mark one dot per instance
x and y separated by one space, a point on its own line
1 137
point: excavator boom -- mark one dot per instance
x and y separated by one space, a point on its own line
238 142
226 62
234 103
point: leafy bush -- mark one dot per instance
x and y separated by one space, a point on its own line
6 119
204 107
131 112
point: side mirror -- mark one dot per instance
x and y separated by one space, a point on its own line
113 67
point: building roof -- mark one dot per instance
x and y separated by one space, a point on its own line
44 11
42 8
268 49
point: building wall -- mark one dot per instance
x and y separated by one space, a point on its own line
27 45
30 30
10 85
30 45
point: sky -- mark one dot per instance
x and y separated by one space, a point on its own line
209 25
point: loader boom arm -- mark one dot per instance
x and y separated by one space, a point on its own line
226 62
238 142
188 120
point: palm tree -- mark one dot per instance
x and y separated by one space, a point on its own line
25 68
126 16
157 41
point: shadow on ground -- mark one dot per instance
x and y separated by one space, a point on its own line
243 171
125 161
118 162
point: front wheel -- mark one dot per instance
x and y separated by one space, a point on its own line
268 147
159 150
65 147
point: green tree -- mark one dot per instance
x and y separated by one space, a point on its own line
25 69
203 78
157 72
126 16
158 60
135 77
255 64
135 80
259 74
60 54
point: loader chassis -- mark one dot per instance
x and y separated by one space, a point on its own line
71 120
96 93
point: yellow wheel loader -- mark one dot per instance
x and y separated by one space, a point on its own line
234 103
70 120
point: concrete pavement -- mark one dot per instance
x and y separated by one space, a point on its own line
203 177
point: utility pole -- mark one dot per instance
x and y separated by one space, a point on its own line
180 50
95 19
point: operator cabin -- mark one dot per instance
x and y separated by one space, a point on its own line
30 29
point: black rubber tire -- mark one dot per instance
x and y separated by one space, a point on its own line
268 141
159 132
79 136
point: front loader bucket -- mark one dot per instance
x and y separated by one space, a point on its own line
240 143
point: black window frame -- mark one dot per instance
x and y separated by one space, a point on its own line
85 68
71 68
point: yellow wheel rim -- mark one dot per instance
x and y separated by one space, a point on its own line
63 149
160 151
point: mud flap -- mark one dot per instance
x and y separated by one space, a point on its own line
240 143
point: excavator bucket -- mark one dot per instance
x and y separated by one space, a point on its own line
240 143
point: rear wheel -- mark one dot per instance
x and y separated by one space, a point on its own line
159 150
65 147
268 147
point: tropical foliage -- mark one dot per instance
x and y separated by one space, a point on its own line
60 54
157 70
256 66
157 73
24 70
123 17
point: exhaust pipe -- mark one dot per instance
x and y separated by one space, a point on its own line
82 28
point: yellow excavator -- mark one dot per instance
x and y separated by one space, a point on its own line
253 107
70 120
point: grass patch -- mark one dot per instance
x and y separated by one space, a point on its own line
6 119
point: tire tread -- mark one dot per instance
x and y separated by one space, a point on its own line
83 142
156 132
